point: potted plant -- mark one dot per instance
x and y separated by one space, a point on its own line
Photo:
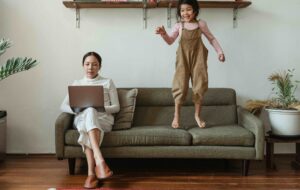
12 66
283 109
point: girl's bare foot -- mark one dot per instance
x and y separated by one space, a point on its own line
175 123
200 123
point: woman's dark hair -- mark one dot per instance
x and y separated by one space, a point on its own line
193 3
98 57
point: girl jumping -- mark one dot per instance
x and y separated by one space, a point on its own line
191 59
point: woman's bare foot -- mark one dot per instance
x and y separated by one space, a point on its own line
200 123
175 122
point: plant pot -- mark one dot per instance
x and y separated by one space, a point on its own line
2 135
284 122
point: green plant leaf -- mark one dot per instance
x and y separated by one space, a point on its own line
4 44
15 65
284 88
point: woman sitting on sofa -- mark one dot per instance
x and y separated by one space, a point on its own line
91 124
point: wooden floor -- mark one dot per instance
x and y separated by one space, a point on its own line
37 172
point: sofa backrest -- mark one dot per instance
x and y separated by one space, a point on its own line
155 106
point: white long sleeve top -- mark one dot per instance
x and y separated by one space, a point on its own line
111 101
169 39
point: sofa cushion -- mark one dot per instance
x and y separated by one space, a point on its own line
124 118
139 136
163 97
230 135
163 115
155 106
148 136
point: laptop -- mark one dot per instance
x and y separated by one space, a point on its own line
82 97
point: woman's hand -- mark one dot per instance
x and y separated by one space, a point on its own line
160 30
222 57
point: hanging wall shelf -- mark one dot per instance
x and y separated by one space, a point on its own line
234 4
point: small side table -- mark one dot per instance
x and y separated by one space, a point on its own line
2 135
271 139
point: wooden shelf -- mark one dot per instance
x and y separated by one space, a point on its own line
169 4
72 4
210 4
160 4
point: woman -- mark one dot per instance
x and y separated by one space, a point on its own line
91 124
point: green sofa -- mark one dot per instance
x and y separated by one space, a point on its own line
231 132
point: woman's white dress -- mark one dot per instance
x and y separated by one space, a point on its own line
89 118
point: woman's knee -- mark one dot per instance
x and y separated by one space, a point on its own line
90 110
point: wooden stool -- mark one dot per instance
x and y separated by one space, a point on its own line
271 139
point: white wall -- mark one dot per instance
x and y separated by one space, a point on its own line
265 40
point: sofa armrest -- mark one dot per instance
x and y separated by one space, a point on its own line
255 125
63 122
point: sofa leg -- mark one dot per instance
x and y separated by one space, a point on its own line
226 164
71 162
245 169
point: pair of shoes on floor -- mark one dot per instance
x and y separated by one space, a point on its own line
102 174
91 182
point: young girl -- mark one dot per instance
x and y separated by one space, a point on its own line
191 59
91 124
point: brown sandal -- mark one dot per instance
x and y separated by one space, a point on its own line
91 182
102 174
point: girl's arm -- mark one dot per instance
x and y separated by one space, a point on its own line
212 40
169 39
113 95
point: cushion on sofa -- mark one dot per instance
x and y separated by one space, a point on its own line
163 115
124 118
156 107
163 97
139 136
148 136
230 135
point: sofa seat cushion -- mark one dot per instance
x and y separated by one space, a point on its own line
226 135
139 136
